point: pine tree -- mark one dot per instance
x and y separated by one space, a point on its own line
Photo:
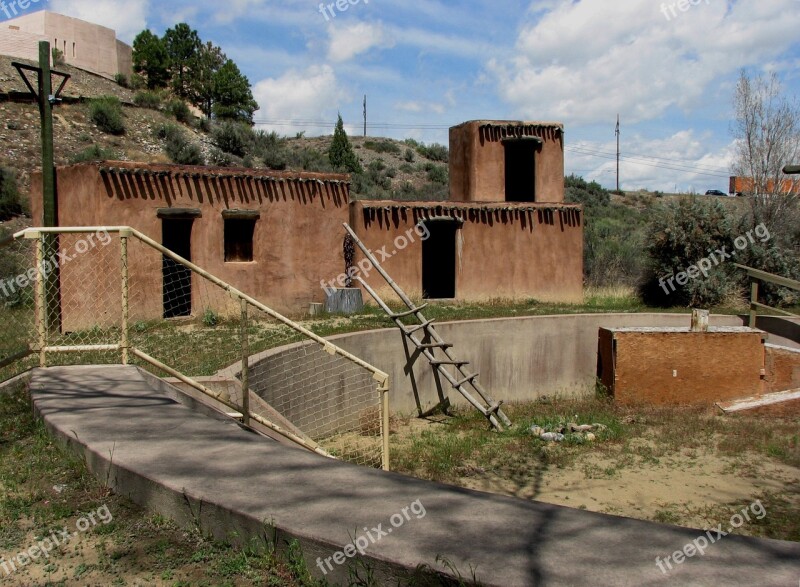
150 59
341 152
183 45
233 98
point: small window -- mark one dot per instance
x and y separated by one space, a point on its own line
239 239
73 49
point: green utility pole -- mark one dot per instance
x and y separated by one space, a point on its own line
50 216
45 98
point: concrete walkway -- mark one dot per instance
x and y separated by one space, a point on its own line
200 470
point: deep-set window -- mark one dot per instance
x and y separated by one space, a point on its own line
240 227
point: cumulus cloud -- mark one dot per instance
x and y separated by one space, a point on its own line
309 94
642 62
347 41
127 17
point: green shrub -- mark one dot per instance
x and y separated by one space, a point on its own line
341 153
434 152
681 234
407 168
579 191
233 137
122 80
106 113
438 174
147 99
382 146
178 147
270 148
179 110
93 153
10 203
408 156
204 124
58 57
136 82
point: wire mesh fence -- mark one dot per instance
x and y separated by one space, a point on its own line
114 295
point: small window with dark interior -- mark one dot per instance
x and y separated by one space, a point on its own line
240 227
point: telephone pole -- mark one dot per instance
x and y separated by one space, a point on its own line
617 133
365 115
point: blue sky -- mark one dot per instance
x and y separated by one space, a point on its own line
668 69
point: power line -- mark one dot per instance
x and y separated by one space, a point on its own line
673 164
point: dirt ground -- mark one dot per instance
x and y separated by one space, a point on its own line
694 483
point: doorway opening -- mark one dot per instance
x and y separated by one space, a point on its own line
520 156
176 235
439 259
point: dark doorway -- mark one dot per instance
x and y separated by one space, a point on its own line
176 235
521 169
439 260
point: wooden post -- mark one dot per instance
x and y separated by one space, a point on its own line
753 302
41 302
125 342
699 320
244 340
383 389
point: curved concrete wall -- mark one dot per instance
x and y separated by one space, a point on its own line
519 359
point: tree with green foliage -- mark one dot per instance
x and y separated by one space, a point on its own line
341 151
151 60
183 45
208 62
232 97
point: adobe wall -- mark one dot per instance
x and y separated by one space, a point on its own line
782 365
477 160
677 367
504 250
297 240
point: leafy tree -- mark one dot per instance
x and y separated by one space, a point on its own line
183 45
232 97
207 64
151 60
341 151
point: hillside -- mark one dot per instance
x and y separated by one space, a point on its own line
401 170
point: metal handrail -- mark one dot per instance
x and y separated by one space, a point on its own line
126 232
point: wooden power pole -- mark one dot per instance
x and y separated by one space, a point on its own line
365 115
617 133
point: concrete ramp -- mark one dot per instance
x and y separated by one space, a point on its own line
239 485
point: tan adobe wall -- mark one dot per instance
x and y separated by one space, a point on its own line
297 241
505 250
478 159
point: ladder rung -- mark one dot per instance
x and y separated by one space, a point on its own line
494 408
434 345
411 311
467 379
413 329
449 362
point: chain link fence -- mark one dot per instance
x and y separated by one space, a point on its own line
115 296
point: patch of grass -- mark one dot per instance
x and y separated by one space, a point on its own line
93 153
134 548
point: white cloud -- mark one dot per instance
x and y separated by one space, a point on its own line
418 107
347 41
310 94
585 61
680 162
127 17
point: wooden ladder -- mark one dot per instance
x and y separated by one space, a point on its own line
431 343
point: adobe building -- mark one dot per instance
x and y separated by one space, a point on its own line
84 45
278 236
